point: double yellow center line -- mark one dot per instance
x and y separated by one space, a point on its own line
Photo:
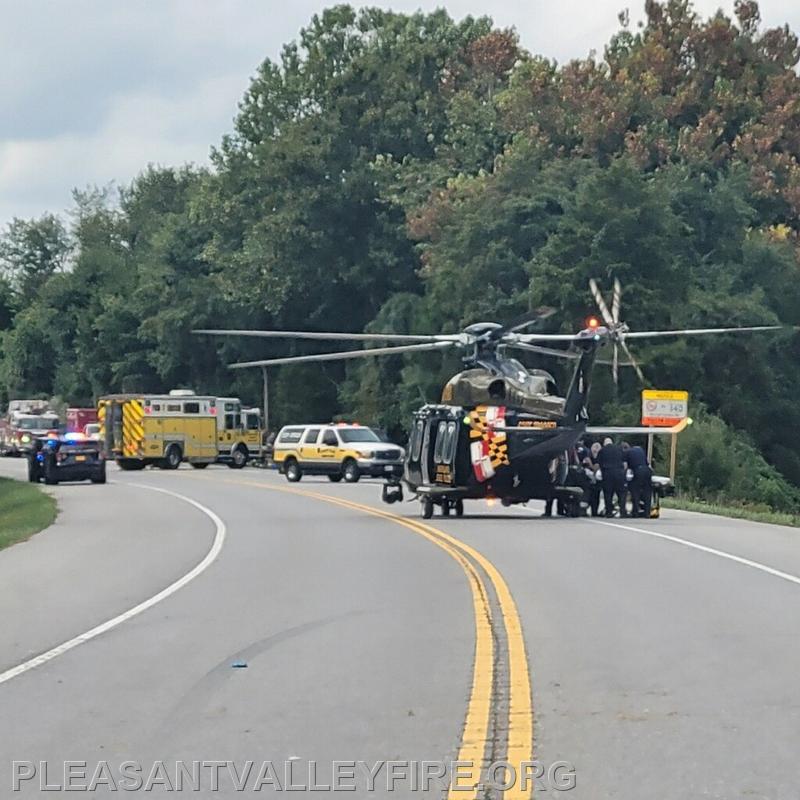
475 740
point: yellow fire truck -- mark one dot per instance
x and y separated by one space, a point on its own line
164 430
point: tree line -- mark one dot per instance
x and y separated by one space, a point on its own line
414 174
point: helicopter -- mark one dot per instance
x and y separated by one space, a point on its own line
500 431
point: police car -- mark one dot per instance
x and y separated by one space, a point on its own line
72 457
346 451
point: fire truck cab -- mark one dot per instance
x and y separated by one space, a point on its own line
24 421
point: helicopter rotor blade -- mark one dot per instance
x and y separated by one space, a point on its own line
615 365
529 338
343 337
700 331
547 351
601 304
344 354
616 301
572 355
634 364
526 320
518 324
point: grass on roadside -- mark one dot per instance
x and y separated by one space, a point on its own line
752 513
24 510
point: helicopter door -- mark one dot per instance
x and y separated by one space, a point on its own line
413 461
428 445
444 452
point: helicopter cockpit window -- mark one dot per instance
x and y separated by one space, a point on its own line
439 446
449 447
541 382
416 440
537 384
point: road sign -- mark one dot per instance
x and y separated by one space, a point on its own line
662 409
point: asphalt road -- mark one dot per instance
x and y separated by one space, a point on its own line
663 655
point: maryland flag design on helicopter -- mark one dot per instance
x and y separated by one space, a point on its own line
488 447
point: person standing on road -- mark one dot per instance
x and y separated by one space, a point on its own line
594 452
592 490
612 464
640 486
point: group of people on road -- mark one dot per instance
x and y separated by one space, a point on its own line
611 472
624 469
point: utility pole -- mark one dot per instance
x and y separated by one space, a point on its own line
673 457
265 378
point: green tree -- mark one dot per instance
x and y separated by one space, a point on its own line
31 251
414 174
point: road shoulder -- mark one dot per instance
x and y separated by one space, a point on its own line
25 509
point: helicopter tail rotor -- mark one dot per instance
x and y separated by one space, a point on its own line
601 303
616 328
631 362
616 301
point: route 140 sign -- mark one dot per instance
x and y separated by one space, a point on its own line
663 409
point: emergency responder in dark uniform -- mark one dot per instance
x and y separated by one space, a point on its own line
575 477
592 490
576 505
612 464
548 503
640 485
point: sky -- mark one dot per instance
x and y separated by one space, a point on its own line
91 92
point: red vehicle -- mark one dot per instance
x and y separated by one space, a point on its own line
79 418
19 430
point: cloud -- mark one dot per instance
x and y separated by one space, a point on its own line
93 92
37 174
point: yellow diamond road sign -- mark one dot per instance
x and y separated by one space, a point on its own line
663 409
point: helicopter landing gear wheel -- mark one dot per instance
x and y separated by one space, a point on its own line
458 507
427 508
445 507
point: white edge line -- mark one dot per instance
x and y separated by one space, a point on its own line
714 552
216 548
711 550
